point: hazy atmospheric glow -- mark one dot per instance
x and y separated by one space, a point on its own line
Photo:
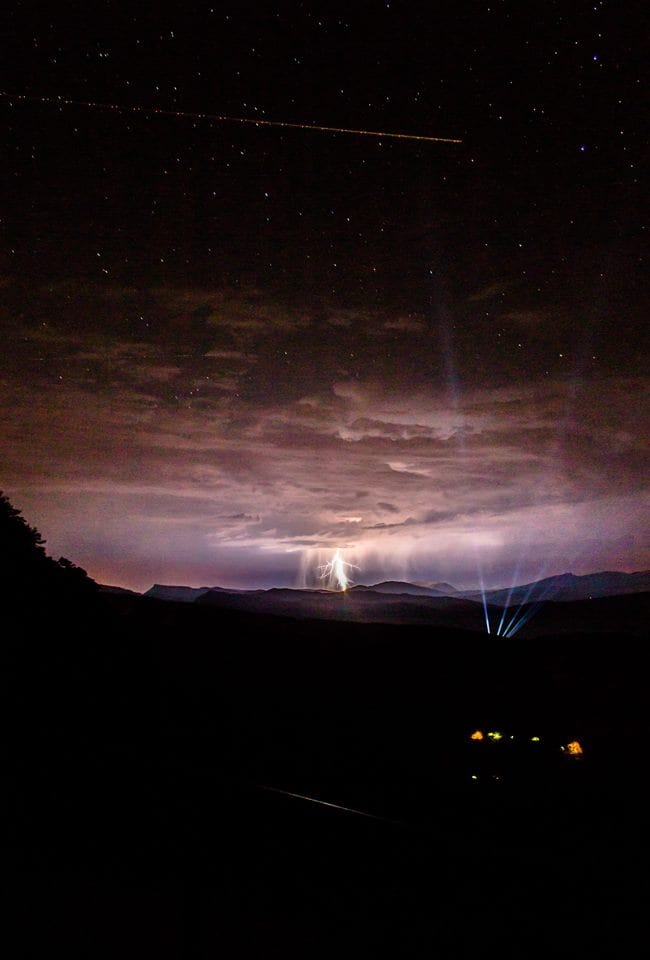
220 487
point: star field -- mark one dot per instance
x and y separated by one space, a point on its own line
231 346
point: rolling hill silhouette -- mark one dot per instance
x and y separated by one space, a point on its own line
601 615
318 602
366 606
599 602
402 586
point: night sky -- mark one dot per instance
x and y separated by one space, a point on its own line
229 350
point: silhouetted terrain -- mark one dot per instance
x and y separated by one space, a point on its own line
401 587
161 591
148 741
558 604
568 586
143 736
362 606
629 614
28 575
563 587
108 588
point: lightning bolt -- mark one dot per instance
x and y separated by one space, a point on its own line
335 571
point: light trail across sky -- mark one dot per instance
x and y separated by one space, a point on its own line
326 803
222 118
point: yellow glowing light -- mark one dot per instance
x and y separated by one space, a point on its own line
335 572
221 118
477 735
534 739
495 735
574 749
473 777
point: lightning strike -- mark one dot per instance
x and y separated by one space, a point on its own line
221 118
335 572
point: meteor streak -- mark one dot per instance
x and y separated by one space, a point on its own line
222 118
334 571
325 803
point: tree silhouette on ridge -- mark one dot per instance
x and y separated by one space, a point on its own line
26 569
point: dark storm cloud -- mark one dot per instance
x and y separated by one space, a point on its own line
240 516
391 526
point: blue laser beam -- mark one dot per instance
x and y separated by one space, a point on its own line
483 597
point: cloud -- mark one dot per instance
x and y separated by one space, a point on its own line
193 436
491 291
236 355
410 324
246 517
390 526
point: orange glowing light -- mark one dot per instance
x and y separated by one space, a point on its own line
574 749
477 735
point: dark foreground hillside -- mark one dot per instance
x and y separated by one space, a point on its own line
144 738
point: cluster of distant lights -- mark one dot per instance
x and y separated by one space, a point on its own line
571 749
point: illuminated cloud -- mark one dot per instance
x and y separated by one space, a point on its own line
405 325
236 460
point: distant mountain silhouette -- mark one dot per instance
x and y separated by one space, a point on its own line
402 602
628 612
564 587
359 605
122 591
403 587
162 591
568 586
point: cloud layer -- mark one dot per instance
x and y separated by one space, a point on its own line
224 436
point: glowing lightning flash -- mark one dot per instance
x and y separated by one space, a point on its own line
335 572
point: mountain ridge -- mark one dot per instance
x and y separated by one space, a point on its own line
560 587
569 586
